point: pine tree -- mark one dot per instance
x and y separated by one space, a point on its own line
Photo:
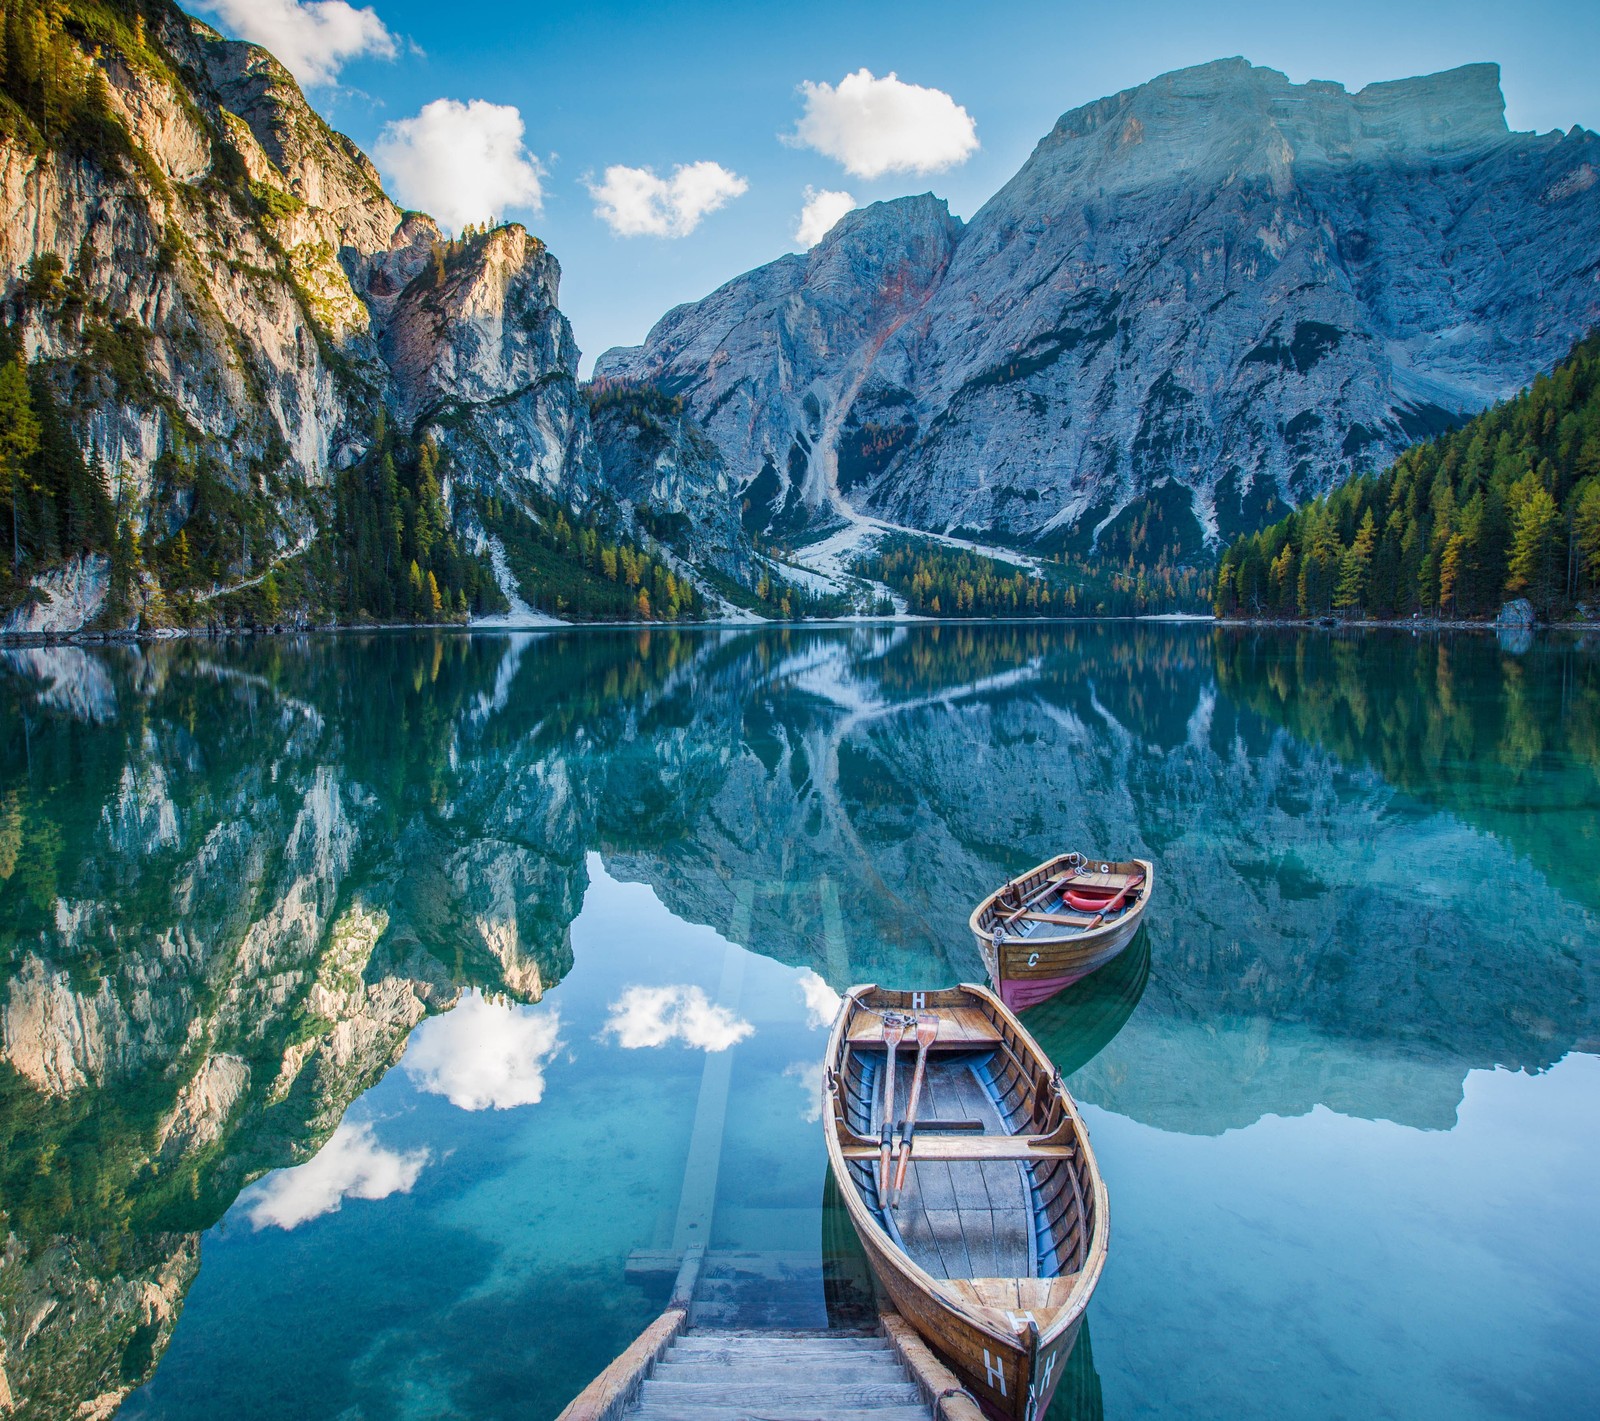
1355 565
19 438
1319 562
1535 541
1586 536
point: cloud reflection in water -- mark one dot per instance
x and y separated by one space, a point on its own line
822 1002
484 1054
352 1165
653 1016
808 1074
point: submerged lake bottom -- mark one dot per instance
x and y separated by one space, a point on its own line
384 1015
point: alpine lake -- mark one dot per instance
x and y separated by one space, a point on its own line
366 999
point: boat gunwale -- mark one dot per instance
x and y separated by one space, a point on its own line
1095 1249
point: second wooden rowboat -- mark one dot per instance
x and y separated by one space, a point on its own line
1058 922
995 1243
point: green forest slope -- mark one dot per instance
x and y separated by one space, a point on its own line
1506 506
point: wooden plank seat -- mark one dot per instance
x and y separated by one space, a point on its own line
957 1149
962 1030
1110 882
1060 920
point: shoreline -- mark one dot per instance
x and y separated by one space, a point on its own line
498 626
1418 624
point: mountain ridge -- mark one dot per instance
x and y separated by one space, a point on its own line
1219 280
258 357
1199 302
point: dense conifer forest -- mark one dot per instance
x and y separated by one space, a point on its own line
1506 506
941 581
575 566
394 555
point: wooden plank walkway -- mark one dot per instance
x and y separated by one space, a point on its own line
674 1374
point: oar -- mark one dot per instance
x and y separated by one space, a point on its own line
1127 888
894 1031
1038 896
927 1034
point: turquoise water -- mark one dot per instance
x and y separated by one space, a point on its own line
361 993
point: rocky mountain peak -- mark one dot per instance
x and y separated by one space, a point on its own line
320 168
1231 119
1460 108
914 222
1199 300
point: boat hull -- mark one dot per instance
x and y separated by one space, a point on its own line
1008 1384
1027 971
1024 984
1008 1339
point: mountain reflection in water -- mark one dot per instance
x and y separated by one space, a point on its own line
234 878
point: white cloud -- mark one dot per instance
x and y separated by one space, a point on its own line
352 1165
822 210
653 1016
876 126
312 39
460 162
484 1055
809 1075
822 1002
634 202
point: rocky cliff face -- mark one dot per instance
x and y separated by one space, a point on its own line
1199 300
658 459
774 364
220 288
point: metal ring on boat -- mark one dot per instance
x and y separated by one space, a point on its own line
1033 959
1105 868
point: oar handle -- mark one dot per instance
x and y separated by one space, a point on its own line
894 1030
907 1130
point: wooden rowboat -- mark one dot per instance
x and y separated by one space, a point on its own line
999 1234
1058 922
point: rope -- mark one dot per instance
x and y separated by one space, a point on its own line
902 1018
946 1394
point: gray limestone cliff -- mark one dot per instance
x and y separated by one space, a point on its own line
658 461
1199 300
219 288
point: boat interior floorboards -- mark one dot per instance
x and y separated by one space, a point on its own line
957 1220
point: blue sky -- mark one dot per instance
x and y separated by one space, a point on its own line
669 86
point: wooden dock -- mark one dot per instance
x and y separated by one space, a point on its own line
674 1373
702 1359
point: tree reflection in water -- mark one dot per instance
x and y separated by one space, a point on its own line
234 877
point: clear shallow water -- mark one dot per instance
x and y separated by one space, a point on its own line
1343 1088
